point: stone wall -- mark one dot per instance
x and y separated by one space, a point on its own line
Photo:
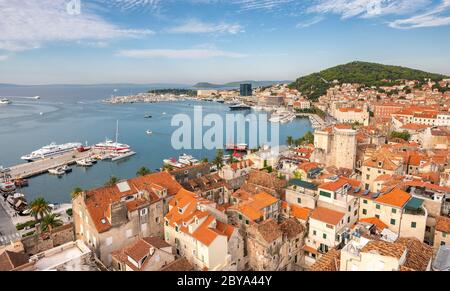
42 242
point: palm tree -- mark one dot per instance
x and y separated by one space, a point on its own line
39 208
112 181
50 221
290 140
76 192
143 171
218 161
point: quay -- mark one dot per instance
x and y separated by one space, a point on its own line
28 170
316 120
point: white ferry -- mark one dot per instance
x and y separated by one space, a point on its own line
50 151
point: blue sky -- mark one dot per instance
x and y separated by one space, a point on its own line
189 41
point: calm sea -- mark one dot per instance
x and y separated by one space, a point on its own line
76 114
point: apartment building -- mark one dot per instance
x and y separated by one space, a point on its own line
378 163
199 232
109 218
442 232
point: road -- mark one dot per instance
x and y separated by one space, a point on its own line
8 231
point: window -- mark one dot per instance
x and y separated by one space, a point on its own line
314 232
378 206
240 216
394 210
247 222
393 221
365 201
355 213
367 177
324 236
176 228
413 224
350 208
299 200
144 212
364 211
377 216
325 194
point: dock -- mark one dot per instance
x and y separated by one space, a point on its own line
316 120
29 170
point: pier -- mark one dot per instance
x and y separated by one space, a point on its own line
316 120
28 170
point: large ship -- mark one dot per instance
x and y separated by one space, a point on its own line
50 151
113 146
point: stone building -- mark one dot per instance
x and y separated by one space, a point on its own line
336 146
110 218
275 247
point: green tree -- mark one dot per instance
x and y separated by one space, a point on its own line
76 192
290 140
143 171
112 181
401 135
218 160
39 208
205 160
50 221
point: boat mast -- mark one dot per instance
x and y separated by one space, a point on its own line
117 132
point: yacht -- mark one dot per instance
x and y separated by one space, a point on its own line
149 132
113 146
50 151
4 101
240 107
57 171
84 163
187 160
282 117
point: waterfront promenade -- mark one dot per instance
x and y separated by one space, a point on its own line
28 170
316 120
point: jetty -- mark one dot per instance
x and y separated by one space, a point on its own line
316 120
28 170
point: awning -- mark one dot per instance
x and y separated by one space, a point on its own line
414 204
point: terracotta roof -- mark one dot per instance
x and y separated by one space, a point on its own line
396 198
327 215
383 248
98 201
336 185
180 265
375 221
330 262
443 224
253 206
292 228
418 254
268 229
302 213
241 165
11 260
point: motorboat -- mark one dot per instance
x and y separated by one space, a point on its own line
5 101
57 171
84 163
149 132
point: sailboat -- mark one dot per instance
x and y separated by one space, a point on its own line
113 146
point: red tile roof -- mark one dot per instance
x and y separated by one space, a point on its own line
327 215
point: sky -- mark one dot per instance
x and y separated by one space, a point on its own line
190 41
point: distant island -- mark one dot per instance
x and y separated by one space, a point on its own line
368 74
255 84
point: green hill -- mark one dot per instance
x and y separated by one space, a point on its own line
368 74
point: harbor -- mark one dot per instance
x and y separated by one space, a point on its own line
316 120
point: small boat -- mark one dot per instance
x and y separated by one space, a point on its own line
148 116
149 132
37 97
238 107
84 163
20 183
66 169
164 113
7 186
5 101
57 171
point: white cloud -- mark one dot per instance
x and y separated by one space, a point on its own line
367 8
179 54
196 26
430 18
310 22
28 24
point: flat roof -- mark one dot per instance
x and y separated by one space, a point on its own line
304 184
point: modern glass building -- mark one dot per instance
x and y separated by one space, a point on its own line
246 90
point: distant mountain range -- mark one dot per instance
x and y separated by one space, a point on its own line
118 86
255 84
368 74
